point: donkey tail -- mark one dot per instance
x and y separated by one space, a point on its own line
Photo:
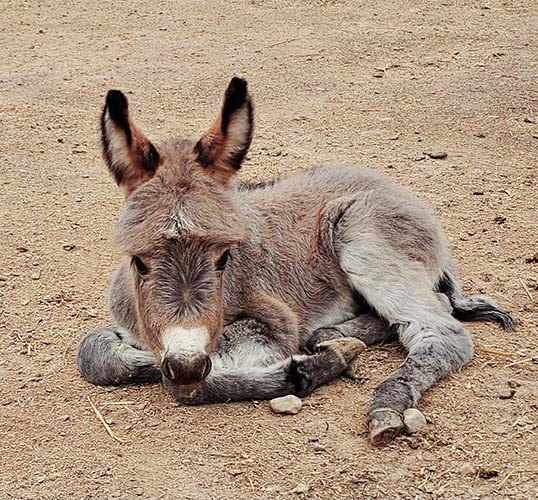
474 308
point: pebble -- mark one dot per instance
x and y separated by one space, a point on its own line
506 393
437 155
300 488
289 405
139 491
65 418
414 420
236 472
468 469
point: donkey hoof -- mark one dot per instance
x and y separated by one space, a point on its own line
351 370
347 347
384 425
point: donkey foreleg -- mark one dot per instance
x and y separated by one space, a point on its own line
298 374
111 356
367 327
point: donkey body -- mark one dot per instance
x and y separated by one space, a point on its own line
235 291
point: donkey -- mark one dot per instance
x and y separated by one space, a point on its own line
231 291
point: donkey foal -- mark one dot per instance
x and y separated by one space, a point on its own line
234 291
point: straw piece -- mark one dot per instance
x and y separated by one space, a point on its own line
495 352
111 433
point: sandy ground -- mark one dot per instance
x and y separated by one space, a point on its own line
376 83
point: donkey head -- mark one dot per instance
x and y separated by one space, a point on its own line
178 226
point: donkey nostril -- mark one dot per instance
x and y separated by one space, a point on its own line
207 367
166 368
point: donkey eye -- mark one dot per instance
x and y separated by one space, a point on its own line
223 260
141 268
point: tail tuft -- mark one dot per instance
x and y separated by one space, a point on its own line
482 308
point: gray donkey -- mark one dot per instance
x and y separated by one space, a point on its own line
233 291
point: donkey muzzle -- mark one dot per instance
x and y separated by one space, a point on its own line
186 369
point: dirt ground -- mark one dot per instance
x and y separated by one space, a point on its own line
378 83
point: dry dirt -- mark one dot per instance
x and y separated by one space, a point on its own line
378 83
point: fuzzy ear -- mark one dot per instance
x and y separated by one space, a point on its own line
130 157
222 149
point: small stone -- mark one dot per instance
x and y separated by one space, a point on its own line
139 491
236 472
468 469
3 278
507 393
319 447
414 420
65 418
92 313
68 247
36 276
289 405
437 155
300 488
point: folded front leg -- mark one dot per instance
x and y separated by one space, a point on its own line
112 356
299 374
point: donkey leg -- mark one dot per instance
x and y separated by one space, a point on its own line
367 327
111 356
437 344
298 374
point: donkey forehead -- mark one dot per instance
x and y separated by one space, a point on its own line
145 225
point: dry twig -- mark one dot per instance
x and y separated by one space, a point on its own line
495 352
526 290
111 433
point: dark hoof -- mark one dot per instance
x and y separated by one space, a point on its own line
384 425
301 377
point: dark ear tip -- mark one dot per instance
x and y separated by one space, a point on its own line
116 102
237 88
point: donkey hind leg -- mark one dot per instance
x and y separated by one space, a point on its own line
474 308
297 374
437 344
111 356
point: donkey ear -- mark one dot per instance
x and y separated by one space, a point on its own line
129 156
222 149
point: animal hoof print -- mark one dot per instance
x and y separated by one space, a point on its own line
347 347
384 426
